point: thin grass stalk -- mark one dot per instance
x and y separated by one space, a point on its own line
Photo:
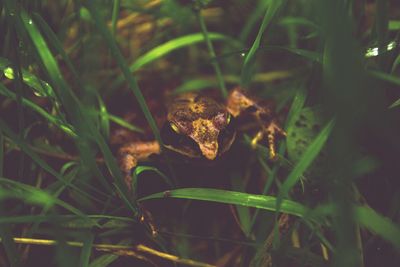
211 51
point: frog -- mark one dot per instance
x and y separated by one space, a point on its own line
199 126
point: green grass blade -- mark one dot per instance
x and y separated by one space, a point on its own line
378 224
212 54
300 21
252 20
232 197
86 250
391 78
272 9
124 123
394 25
307 54
33 195
194 85
141 169
25 148
121 62
115 13
305 161
172 45
168 47
40 87
84 125
55 42
66 128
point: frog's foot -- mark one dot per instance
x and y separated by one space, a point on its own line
131 153
272 130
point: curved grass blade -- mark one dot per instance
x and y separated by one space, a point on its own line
232 197
73 221
139 170
86 249
255 15
40 87
172 45
91 5
55 42
166 48
114 17
298 21
310 55
305 161
211 52
124 123
25 148
194 85
33 195
378 224
385 77
66 128
272 9
78 115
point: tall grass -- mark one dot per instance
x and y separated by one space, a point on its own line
329 67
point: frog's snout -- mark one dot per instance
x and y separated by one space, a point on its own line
209 149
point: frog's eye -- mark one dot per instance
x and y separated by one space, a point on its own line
228 118
174 127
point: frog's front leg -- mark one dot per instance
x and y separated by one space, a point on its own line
238 103
131 153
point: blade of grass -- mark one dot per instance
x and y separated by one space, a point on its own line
294 176
57 45
141 169
84 125
25 148
232 197
272 9
33 195
298 21
91 5
305 161
252 19
212 54
166 48
114 18
73 221
378 224
297 104
194 85
86 250
124 123
390 78
66 128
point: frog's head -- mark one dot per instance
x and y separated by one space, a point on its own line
202 120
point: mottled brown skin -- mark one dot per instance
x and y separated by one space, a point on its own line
201 118
195 123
